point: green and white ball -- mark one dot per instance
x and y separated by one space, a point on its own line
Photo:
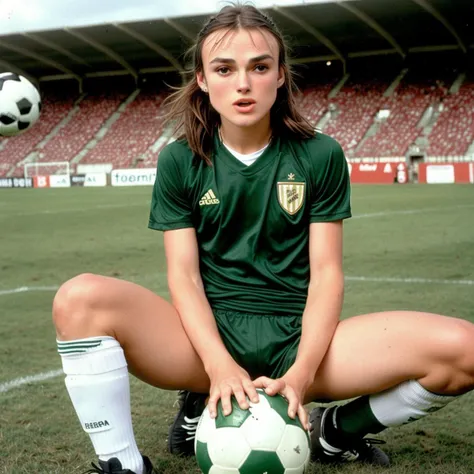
260 440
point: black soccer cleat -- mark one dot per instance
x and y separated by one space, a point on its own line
182 432
361 450
114 466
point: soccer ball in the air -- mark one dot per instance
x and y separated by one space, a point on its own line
20 104
261 440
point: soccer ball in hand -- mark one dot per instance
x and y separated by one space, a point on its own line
260 440
20 104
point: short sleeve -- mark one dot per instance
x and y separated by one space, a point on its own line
170 208
332 196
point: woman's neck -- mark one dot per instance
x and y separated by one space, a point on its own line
245 140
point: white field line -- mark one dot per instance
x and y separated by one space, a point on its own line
77 209
26 289
409 280
423 281
30 379
410 211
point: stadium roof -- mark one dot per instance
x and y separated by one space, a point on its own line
336 30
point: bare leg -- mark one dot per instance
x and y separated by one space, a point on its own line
373 352
147 327
404 364
106 327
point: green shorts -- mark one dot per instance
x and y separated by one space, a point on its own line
261 344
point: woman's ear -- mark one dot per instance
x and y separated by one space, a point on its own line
201 80
281 76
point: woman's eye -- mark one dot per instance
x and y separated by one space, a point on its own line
261 67
223 70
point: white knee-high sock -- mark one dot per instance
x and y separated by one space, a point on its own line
405 403
98 385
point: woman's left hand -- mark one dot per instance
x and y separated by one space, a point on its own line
293 387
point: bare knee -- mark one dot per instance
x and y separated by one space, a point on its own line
465 354
73 306
458 357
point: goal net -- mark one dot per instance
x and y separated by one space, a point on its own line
47 169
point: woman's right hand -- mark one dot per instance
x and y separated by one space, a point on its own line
227 379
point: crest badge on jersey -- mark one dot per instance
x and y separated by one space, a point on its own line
291 194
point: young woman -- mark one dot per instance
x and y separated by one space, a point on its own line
251 202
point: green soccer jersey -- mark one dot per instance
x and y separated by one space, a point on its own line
252 222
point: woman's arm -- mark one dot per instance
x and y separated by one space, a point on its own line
325 296
320 317
187 292
188 296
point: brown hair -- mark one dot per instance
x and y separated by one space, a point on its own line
197 121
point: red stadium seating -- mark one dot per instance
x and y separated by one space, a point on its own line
94 110
407 105
138 127
356 105
150 158
453 132
314 101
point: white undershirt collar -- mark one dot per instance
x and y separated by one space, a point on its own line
247 159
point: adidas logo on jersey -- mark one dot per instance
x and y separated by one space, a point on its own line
208 199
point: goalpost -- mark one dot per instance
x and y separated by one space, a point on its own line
46 169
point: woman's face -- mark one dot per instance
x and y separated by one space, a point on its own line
241 74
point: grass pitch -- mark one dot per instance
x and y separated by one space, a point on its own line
408 247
